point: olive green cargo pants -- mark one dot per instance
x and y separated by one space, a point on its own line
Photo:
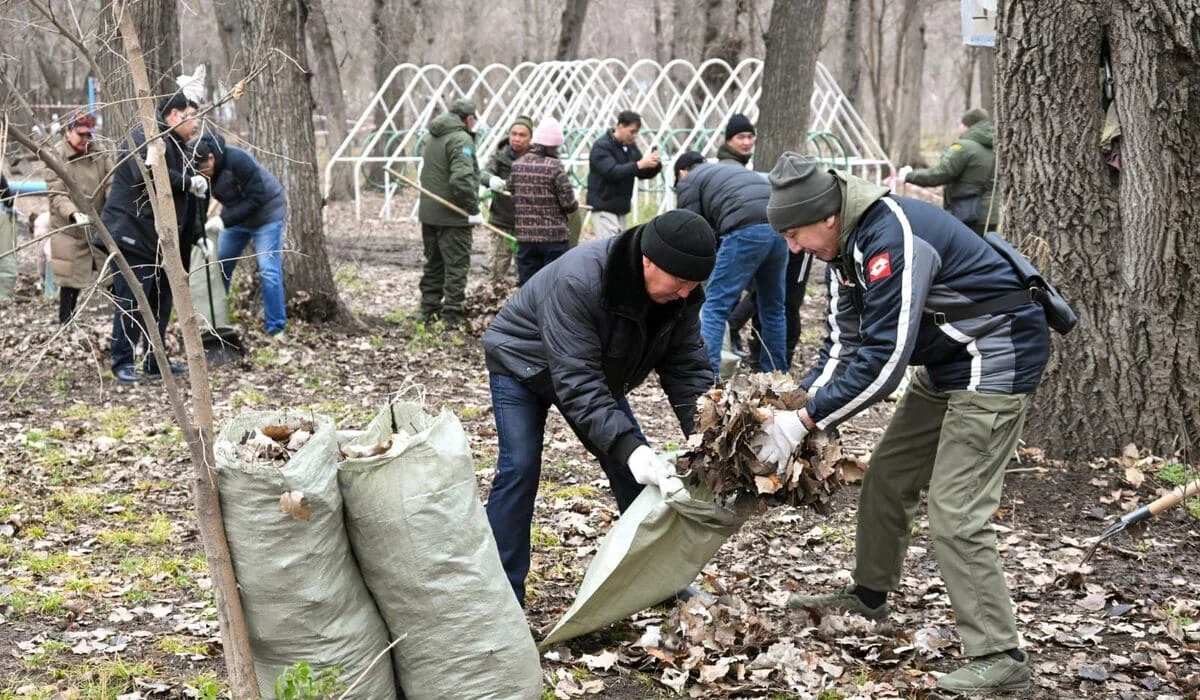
957 444
444 277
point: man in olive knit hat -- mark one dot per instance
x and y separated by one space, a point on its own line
908 284
495 178
580 335
739 141
967 173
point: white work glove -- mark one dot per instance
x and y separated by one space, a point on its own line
780 437
497 183
80 218
902 174
198 185
214 226
205 247
475 219
648 468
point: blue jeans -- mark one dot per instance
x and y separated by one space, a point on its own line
128 331
754 252
268 250
520 428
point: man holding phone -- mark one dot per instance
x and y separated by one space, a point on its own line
615 164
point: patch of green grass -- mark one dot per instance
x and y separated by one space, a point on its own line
159 529
78 502
18 599
135 595
1177 474
46 563
117 539
471 411
51 603
206 686
553 489
248 396
347 279
117 423
181 646
78 411
541 537
264 357
400 317
45 657
110 676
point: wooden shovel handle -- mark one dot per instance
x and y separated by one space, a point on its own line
1175 497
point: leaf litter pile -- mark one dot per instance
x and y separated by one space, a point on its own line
722 457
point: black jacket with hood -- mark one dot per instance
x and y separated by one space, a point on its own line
250 195
582 334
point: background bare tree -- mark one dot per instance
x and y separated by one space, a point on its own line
274 31
789 66
571 30
851 55
909 68
157 25
333 98
1123 245
985 59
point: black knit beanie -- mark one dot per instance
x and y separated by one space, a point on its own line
686 161
738 123
681 243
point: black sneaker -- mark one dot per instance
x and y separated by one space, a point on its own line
126 374
176 369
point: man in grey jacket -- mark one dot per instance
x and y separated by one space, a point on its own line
580 336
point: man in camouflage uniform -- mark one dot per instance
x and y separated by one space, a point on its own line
968 172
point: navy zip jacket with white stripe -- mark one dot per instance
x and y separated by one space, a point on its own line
901 260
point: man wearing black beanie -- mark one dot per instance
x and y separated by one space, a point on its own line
580 335
739 141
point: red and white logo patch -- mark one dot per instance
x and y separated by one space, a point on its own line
879 267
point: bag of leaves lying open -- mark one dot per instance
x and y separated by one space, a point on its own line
660 544
656 548
301 590
427 554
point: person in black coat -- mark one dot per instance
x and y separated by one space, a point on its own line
615 163
253 207
580 335
128 215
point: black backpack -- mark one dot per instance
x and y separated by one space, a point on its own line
1059 314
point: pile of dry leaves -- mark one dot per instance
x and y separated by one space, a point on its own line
722 456
483 302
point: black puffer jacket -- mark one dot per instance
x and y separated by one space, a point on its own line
582 334
612 169
250 195
127 213
729 197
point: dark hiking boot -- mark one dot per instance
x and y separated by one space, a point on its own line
126 374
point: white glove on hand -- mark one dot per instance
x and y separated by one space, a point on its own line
780 437
648 468
198 185
902 175
205 246
80 218
475 219
214 226
497 183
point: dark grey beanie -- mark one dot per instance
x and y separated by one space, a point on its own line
681 243
802 192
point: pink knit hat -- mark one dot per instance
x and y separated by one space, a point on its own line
548 133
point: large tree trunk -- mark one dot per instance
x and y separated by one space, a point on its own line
229 30
281 110
1122 245
968 78
852 52
906 148
787 82
157 24
333 99
48 64
880 93
571 30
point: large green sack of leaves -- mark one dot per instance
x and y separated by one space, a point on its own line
303 596
657 547
429 559
206 286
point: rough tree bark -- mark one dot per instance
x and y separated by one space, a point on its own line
968 78
571 30
852 52
787 82
229 31
281 109
1123 246
157 25
880 94
906 146
333 99
48 65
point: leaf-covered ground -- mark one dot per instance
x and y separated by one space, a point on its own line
104 591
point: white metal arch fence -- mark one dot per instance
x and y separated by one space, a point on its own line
683 107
